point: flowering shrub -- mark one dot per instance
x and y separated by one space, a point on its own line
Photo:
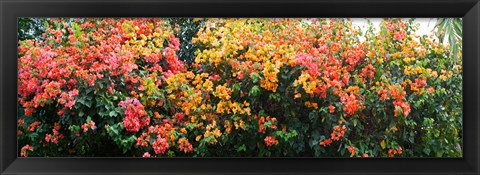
257 87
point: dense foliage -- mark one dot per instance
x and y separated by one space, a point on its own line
30 28
241 87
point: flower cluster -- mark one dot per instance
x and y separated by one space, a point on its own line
88 125
56 135
393 151
23 151
338 132
270 141
135 115
352 151
160 145
185 146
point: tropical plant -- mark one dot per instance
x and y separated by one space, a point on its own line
449 30
252 88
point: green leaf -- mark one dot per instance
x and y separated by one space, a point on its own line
236 87
254 91
112 114
114 130
436 133
439 153
411 139
255 77
313 116
89 119
242 148
426 151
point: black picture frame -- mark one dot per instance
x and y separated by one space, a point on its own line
10 10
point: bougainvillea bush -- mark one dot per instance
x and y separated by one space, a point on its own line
251 88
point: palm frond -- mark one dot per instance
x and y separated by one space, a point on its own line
449 30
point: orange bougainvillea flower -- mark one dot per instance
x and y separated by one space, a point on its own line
338 132
393 151
351 103
326 142
351 149
185 146
399 150
331 108
33 126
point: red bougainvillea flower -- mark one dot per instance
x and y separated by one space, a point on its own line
338 132
391 152
33 126
23 151
326 142
398 94
383 94
48 137
351 103
399 35
418 84
90 125
331 108
143 140
185 146
56 134
368 71
308 61
135 115
20 122
270 141
160 145
179 117
214 77
240 74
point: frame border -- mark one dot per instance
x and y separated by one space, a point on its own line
469 10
